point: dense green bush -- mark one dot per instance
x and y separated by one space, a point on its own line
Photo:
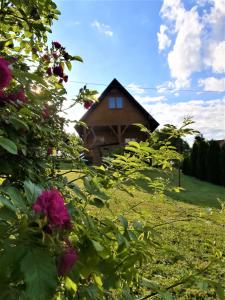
205 161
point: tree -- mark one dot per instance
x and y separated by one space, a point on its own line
194 157
201 163
179 143
186 165
213 162
222 165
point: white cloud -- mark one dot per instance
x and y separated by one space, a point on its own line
135 88
163 39
102 28
149 99
212 84
173 11
198 38
209 115
216 56
185 58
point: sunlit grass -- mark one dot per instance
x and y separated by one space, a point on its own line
189 223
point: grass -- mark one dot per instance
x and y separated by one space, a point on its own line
189 223
199 192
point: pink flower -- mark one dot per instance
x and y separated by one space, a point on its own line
49 71
51 204
58 71
87 104
66 261
13 97
19 95
57 45
46 57
55 55
5 73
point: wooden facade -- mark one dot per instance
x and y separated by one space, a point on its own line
110 122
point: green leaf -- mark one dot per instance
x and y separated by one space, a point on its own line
69 65
98 280
123 221
220 292
134 144
40 274
78 58
18 123
166 295
7 214
98 247
7 203
32 191
70 284
78 191
8 145
15 196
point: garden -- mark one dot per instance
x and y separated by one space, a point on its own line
122 230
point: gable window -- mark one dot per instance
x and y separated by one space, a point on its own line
112 102
115 102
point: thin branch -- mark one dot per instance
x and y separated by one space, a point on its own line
83 176
179 282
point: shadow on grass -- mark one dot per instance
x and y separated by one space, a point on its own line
195 191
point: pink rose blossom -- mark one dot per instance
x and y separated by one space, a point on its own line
13 97
51 204
19 95
58 71
5 73
49 71
66 261
46 57
87 104
57 45
55 55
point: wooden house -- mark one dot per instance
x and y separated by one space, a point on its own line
110 122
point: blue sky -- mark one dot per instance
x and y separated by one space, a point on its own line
170 45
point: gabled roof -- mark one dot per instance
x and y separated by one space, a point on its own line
116 84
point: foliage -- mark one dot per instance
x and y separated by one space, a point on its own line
52 244
222 165
165 134
213 166
206 161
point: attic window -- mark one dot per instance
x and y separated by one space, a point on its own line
115 102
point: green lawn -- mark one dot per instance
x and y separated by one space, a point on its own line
190 223
198 192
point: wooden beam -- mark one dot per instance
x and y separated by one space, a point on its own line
125 128
114 131
119 134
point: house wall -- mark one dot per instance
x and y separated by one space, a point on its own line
129 114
